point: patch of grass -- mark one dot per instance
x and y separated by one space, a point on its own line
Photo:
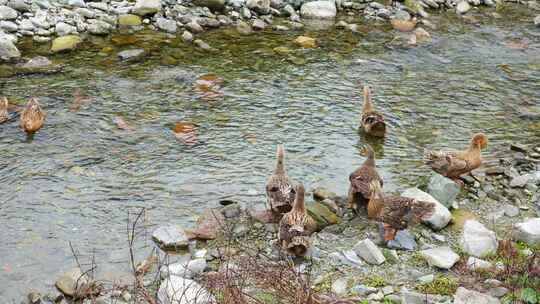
376 281
441 285
417 260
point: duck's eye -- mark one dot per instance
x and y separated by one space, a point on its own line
273 189
370 119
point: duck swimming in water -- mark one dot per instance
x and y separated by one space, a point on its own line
32 116
280 192
372 122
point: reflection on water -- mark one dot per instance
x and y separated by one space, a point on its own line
76 179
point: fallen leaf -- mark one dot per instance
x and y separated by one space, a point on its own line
251 138
209 87
122 124
403 25
185 132
517 44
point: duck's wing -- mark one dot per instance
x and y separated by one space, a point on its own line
360 180
396 211
445 162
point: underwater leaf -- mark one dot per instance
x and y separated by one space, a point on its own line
402 25
209 87
528 295
185 132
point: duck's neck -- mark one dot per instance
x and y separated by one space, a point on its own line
368 104
299 203
370 160
280 165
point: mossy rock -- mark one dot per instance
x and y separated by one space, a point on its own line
322 215
65 43
459 217
129 20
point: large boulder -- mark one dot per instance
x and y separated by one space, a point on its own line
319 10
441 257
529 231
71 281
8 50
7 13
477 240
146 7
65 43
178 290
465 296
368 251
443 189
440 218
260 6
171 237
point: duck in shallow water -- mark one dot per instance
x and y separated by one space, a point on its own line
296 227
396 212
32 116
371 121
361 178
453 164
280 192
3 110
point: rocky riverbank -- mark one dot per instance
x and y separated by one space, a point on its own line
65 24
477 247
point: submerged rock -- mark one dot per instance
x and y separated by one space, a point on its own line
443 189
178 290
441 257
65 43
71 281
440 218
465 296
131 55
368 251
529 231
171 237
305 42
318 10
477 240
38 64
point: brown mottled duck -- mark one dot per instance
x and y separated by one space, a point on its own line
360 179
280 192
32 116
372 122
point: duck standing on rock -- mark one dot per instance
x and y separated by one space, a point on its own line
279 189
361 178
396 212
453 164
372 122
3 110
32 116
296 227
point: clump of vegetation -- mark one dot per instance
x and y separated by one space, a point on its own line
376 281
441 285
417 260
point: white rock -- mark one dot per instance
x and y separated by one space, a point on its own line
8 50
537 20
318 10
441 257
145 7
339 286
477 240
8 26
260 6
529 231
7 13
465 296
77 3
368 251
410 297
187 36
187 269
63 29
478 264
440 218
178 290
98 27
462 7
26 25
86 13
171 236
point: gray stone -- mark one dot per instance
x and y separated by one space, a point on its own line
7 13
178 290
40 20
258 24
260 6
99 6
369 252
537 20
187 269
339 286
510 210
363 290
76 3
187 36
86 13
318 10
404 240
441 257
71 281
477 240
214 5
465 296
166 25
19 5
98 27
172 236
8 50
478 264
146 7
426 279
202 45
402 15
8 26
63 29
348 257
245 13
443 189
26 25
522 180
498 292
410 297
194 27
529 231
440 218
463 7
386 290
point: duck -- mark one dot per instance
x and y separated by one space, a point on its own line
3 110
360 179
280 192
371 121
396 212
32 116
453 164
296 226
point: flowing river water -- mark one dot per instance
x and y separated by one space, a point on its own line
75 180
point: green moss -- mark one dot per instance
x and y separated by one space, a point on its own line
376 281
417 260
441 285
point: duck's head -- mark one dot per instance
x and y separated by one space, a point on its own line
33 104
479 140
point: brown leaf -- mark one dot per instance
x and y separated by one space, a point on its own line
209 87
517 44
185 132
122 124
402 25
